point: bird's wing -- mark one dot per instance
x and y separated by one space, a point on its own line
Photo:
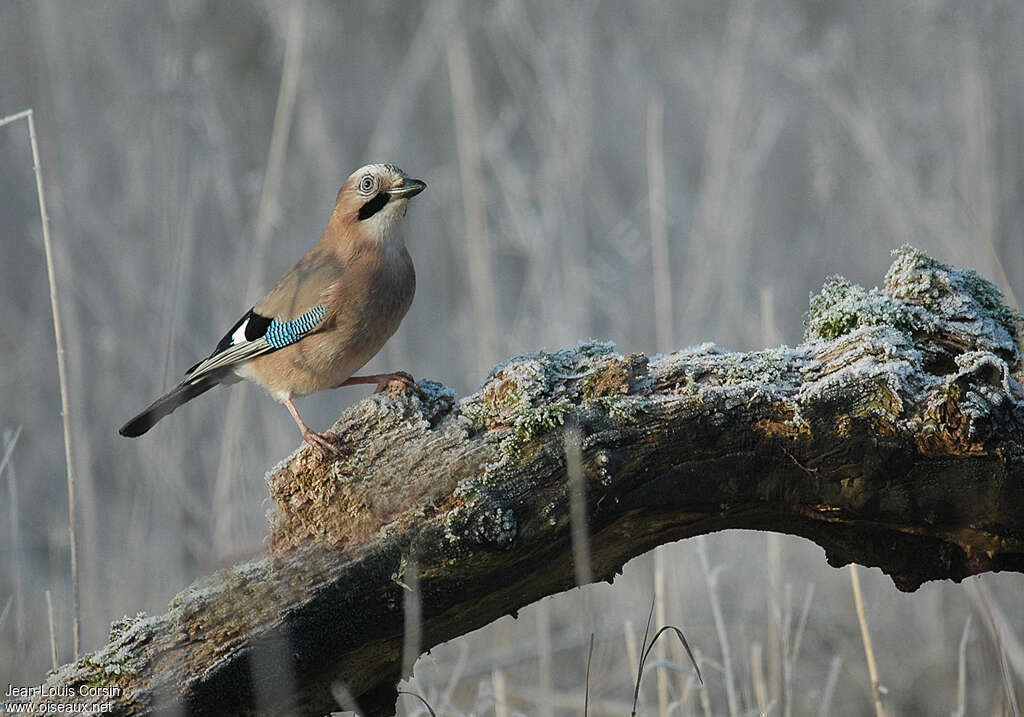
294 308
254 335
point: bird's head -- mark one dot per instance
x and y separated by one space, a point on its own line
376 197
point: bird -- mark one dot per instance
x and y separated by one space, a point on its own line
327 316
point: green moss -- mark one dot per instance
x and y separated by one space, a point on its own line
766 367
991 299
907 254
916 277
842 307
102 681
108 669
475 414
953 390
593 348
492 405
557 364
623 408
103 678
589 393
939 288
568 362
535 422
119 627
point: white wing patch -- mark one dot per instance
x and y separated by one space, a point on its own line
239 336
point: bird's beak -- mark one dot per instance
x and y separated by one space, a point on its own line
410 188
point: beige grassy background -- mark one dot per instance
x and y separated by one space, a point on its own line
657 174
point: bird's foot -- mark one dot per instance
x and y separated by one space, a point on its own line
400 379
328 443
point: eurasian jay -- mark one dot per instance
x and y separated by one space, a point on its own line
327 316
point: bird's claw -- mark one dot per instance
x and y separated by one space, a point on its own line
398 378
330 445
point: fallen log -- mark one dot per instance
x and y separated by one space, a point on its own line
892 437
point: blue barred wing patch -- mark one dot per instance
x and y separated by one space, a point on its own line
283 333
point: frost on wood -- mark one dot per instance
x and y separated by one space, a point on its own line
892 437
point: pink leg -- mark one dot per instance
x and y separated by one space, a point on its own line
382 380
311 437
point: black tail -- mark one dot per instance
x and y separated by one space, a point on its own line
183 393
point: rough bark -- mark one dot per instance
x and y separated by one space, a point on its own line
891 437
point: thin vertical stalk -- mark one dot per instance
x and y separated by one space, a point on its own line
705 695
415 70
1000 633
978 172
578 507
412 635
11 439
481 284
664 324
500 693
866 635
62 373
961 673
586 684
713 232
711 579
757 677
544 662
281 130
53 630
398 110
825 706
662 619
266 215
632 652
62 376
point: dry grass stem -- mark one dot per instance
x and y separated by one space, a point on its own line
6 610
467 136
829 690
1001 635
578 506
661 618
586 683
632 651
266 216
712 232
757 676
413 633
961 671
705 695
648 647
711 581
544 660
660 265
500 693
869 652
426 704
13 508
62 373
53 630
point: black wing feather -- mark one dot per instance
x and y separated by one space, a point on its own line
254 329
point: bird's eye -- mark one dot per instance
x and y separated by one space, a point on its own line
366 185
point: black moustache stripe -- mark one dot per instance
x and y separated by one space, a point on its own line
373 206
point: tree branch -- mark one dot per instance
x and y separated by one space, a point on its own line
892 437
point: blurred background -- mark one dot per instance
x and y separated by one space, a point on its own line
655 173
